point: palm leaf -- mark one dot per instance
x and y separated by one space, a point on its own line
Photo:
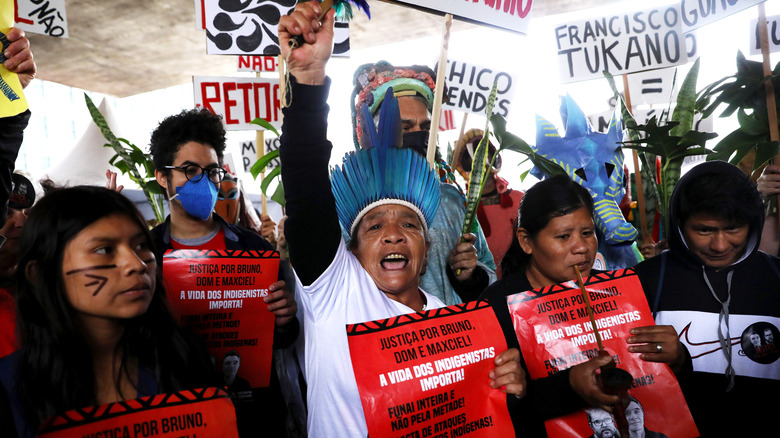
479 173
686 102
743 93
672 141
262 162
265 125
130 160
278 195
766 151
268 178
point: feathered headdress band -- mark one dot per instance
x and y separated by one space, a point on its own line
381 173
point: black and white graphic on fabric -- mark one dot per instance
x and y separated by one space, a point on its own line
250 27
758 342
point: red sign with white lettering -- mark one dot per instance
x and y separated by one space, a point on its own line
555 333
218 294
426 374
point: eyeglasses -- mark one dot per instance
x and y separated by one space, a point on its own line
602 423
194 173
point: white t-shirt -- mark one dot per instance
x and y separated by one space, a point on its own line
343 294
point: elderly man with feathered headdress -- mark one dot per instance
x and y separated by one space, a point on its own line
386 197
459 267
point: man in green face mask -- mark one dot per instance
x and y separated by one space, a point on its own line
187 151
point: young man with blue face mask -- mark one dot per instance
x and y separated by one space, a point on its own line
187 151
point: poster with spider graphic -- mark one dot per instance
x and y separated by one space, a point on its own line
250 27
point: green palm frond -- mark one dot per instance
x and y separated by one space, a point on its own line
262 162
131 161
672 140
743 93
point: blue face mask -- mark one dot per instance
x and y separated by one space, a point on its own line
198 198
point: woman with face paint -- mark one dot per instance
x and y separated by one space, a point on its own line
92 314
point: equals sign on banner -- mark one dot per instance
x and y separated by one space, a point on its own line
647 86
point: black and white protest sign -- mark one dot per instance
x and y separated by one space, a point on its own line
623 43
244 28
651 87
341 39
251 27
773 31
249 153
469 85
507 14
46 17
698 13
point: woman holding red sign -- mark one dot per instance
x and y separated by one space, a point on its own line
92 314
377 274
555 234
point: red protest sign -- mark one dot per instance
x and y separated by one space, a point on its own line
219 295
239 100
206 413
426 374
555 332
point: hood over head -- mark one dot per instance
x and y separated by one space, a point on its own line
721 189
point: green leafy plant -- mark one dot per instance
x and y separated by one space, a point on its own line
479 166
506 141
743 93
672 140
646 172
131 161
262 162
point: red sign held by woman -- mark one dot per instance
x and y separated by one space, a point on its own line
426 374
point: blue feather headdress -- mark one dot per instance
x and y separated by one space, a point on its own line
381 173
344 8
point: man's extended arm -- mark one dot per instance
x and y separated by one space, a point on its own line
311 229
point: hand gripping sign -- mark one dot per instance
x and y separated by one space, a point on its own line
555 332
426 374
205 413
219 295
